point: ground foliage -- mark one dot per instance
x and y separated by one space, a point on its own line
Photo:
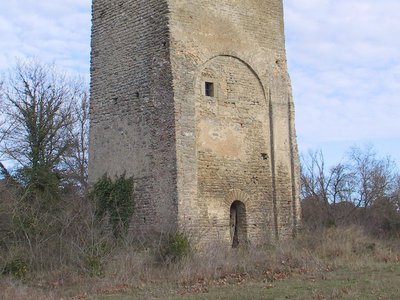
114 198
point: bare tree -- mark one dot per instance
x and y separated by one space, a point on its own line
374 177
363 189
328 187
396 194
38 104
331 185
4 131
76 158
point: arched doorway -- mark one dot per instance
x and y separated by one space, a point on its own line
238 224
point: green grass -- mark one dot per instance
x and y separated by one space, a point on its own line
375 281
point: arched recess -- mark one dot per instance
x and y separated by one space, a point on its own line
230 96
212 59
233 141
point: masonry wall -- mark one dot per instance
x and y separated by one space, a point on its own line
240 144
132 112
193 155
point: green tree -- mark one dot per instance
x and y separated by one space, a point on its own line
38 104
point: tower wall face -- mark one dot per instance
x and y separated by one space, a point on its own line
233 148
132 109
218 160
238 144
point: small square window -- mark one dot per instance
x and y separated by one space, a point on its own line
209 89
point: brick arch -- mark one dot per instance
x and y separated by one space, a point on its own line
236 195
232 55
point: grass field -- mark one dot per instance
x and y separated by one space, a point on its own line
341 263
376 281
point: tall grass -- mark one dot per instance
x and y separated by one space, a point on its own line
68 252
130 266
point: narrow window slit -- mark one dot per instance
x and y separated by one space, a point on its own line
209 88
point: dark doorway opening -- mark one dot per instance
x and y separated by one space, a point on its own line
238 224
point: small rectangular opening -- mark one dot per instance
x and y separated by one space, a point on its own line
209 89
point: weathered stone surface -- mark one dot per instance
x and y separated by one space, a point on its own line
194 100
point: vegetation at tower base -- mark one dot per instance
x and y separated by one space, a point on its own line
115 199
174 247
70 253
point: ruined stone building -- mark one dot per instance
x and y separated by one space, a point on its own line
193 99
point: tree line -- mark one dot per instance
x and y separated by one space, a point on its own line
363 189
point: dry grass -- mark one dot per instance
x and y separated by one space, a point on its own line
310 255
124 270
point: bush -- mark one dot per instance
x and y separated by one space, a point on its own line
16 265
175 247
95 255
94 266
114 199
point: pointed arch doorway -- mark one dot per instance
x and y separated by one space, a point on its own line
238 224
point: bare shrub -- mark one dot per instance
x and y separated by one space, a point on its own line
130 265
362 190
64 241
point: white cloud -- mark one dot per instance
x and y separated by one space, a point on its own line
344 62
53 31
343 55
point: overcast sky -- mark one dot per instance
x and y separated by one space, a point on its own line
343 57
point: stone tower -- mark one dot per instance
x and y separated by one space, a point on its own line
193 99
